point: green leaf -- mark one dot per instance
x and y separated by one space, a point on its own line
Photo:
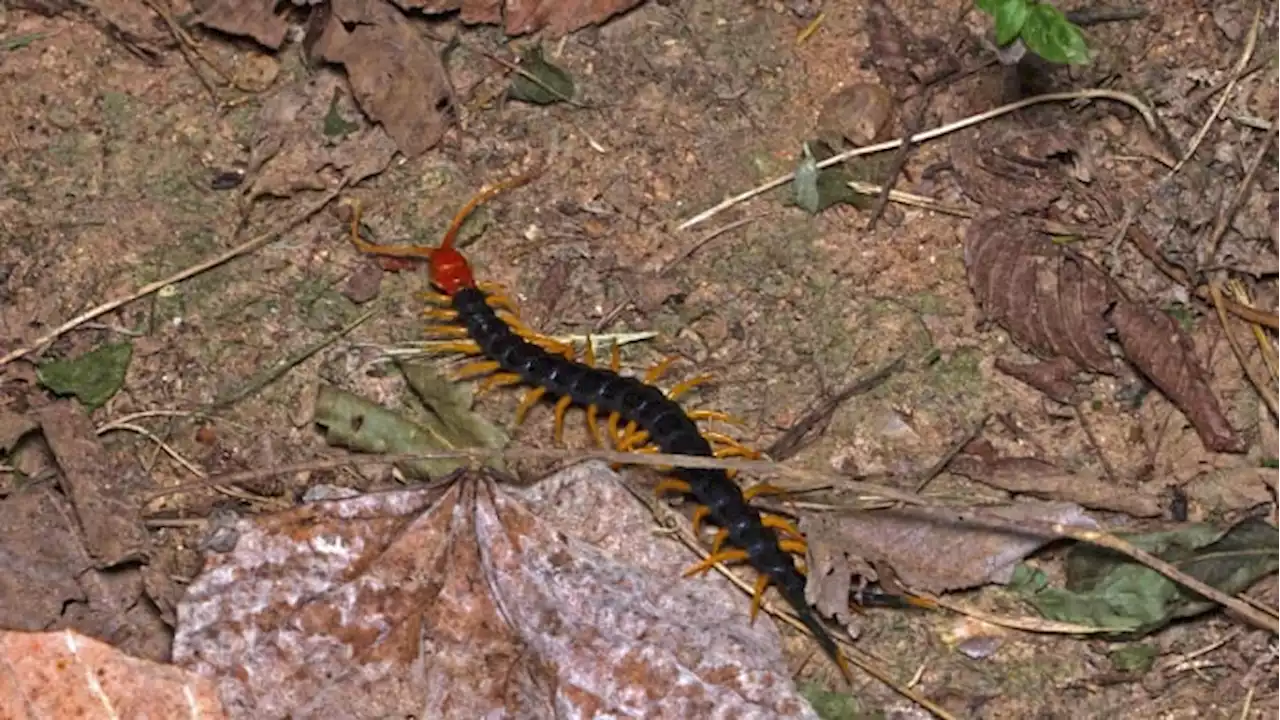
1009 17
18 42
816 190
1049 34
549 84
1134 658
1108 590
93 377
334 124
831 705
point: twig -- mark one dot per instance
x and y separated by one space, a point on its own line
1097 446
794 438
702 241
1268 350
1089 94
899 159
1229 212
235 252
952 452
1258 383
1027 624
513 67
1131 212
276 371
927 203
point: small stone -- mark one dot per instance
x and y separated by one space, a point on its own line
860 114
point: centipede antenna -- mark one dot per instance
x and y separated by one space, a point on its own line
476 201
364 246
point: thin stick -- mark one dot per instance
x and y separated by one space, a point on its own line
1026 624
235 252
1258 383
1229 212
1089 94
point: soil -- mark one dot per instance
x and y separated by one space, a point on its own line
109 162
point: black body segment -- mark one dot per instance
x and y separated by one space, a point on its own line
669 428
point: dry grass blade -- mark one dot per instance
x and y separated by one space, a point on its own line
1259 383
1028 624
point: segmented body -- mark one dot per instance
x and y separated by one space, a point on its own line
482 323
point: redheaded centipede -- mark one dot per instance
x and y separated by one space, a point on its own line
480 320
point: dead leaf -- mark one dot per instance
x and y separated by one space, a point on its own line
64 674
1015 168
397 76
937 550
1231 489
101 490
291 152
1158 347
1050 300
460 601
247 18
1030 476
40 559
554 18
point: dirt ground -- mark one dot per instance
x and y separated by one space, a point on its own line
107 185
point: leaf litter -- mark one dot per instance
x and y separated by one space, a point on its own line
473 599
1061 307
1105 589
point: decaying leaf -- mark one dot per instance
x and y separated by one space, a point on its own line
472 600
814 189
358 424
93 377
65 674
932 549
396 75
555 17
291 150
1109 590
1050 300
249 18
450 404
1037 478
40 559
553 83
1015 168
1155 343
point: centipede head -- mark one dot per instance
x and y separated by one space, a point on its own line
450 271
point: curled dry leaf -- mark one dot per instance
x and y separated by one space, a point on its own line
1015 168
463 601
64 674
933 549
1029 476
291 151
1166 355
397 76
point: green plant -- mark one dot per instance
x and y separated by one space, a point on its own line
1041 27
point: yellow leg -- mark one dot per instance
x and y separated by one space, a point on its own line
687 385
498 380
630 441
446 331
794 547
762 489
476 369
725 452
672 485
589 357
724 556
438 313
466 347
615 358
404 251
757 596
562 405
612 427
718 541
700 415
660 369
435 298
527 402
593 427
782 525
700 516
716 437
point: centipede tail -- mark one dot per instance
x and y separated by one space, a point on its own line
481 321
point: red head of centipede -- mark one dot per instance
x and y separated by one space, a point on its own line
450 271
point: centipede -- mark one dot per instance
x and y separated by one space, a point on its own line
481 321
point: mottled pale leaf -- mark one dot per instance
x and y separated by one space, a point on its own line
93 377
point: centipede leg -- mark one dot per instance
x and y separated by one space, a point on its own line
476 369
724 556
562 406
782 525
672 485
439 313
700 515
762 489
527 402
497 380
757 596
447 331
593 427
687 385
718 541
435 298
659 369
615 358
794 547
729 442
465 347
700 415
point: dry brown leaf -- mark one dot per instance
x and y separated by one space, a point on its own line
1158 347
467 601
933 549
1006 165
64 674
249 18
1233 489
397 76
40 559
1037 478
555 17
1050 300
291 152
